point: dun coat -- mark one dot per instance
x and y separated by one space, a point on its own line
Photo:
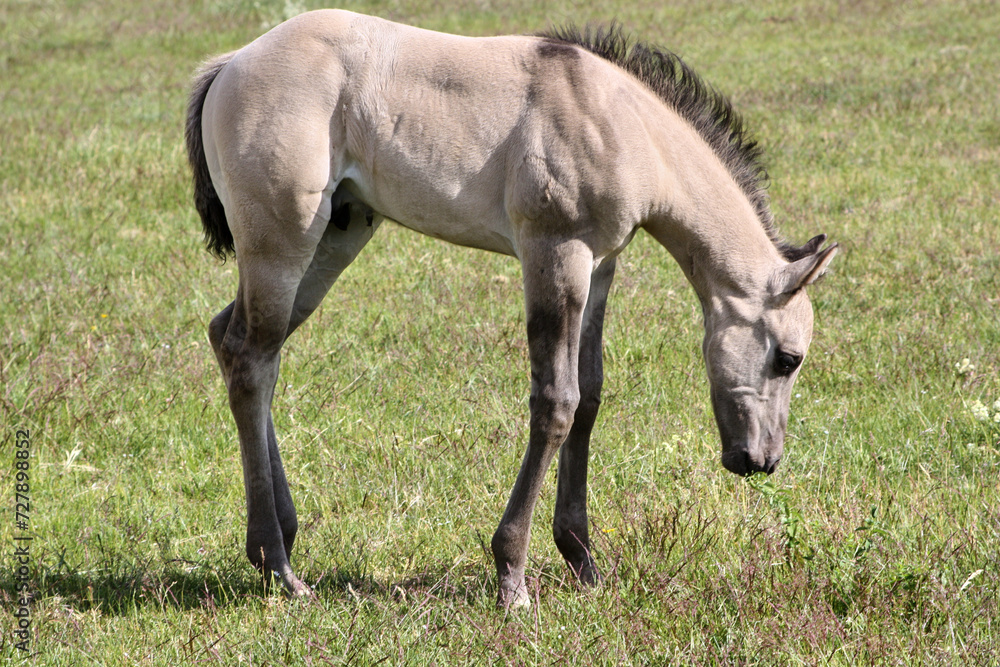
555 149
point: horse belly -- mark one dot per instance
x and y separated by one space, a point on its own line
474 219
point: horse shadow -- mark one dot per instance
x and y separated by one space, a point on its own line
187 586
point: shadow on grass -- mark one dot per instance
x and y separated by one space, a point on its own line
114 592
185 586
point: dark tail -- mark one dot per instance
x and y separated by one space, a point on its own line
218 238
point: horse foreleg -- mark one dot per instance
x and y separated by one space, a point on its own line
570 524
556 284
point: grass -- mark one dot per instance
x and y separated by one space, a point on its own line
403 410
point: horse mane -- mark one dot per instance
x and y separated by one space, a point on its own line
709 111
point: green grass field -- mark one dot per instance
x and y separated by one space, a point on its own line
402 405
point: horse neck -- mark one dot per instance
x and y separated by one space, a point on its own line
705 220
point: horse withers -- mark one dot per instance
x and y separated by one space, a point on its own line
555 149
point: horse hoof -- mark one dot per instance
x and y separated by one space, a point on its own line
295 589
513 599
303 592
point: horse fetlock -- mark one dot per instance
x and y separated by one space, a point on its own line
510 548
570 542
268 557
257 556
587 573
277 566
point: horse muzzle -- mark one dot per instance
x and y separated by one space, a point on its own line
744 460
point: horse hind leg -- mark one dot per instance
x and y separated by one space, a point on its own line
247 338
284 508
249 355
350 229
271 516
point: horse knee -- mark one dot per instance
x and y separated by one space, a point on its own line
554 410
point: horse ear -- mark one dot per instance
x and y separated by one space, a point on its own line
812 246
795 276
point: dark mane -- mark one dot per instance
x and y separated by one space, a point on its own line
708 110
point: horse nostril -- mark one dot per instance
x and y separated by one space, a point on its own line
773 465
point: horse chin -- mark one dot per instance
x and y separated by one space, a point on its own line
740 461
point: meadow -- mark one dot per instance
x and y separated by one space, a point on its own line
402 404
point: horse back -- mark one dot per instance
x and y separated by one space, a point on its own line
467 139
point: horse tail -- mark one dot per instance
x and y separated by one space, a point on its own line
218 237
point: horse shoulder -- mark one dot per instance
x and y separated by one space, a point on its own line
586 159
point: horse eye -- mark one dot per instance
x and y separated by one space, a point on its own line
785 363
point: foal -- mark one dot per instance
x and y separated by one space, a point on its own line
555 149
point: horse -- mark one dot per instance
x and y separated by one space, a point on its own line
555 149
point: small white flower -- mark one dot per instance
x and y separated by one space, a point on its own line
996 418
964 367
979 411
996 405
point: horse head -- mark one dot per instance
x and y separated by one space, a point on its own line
754 347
